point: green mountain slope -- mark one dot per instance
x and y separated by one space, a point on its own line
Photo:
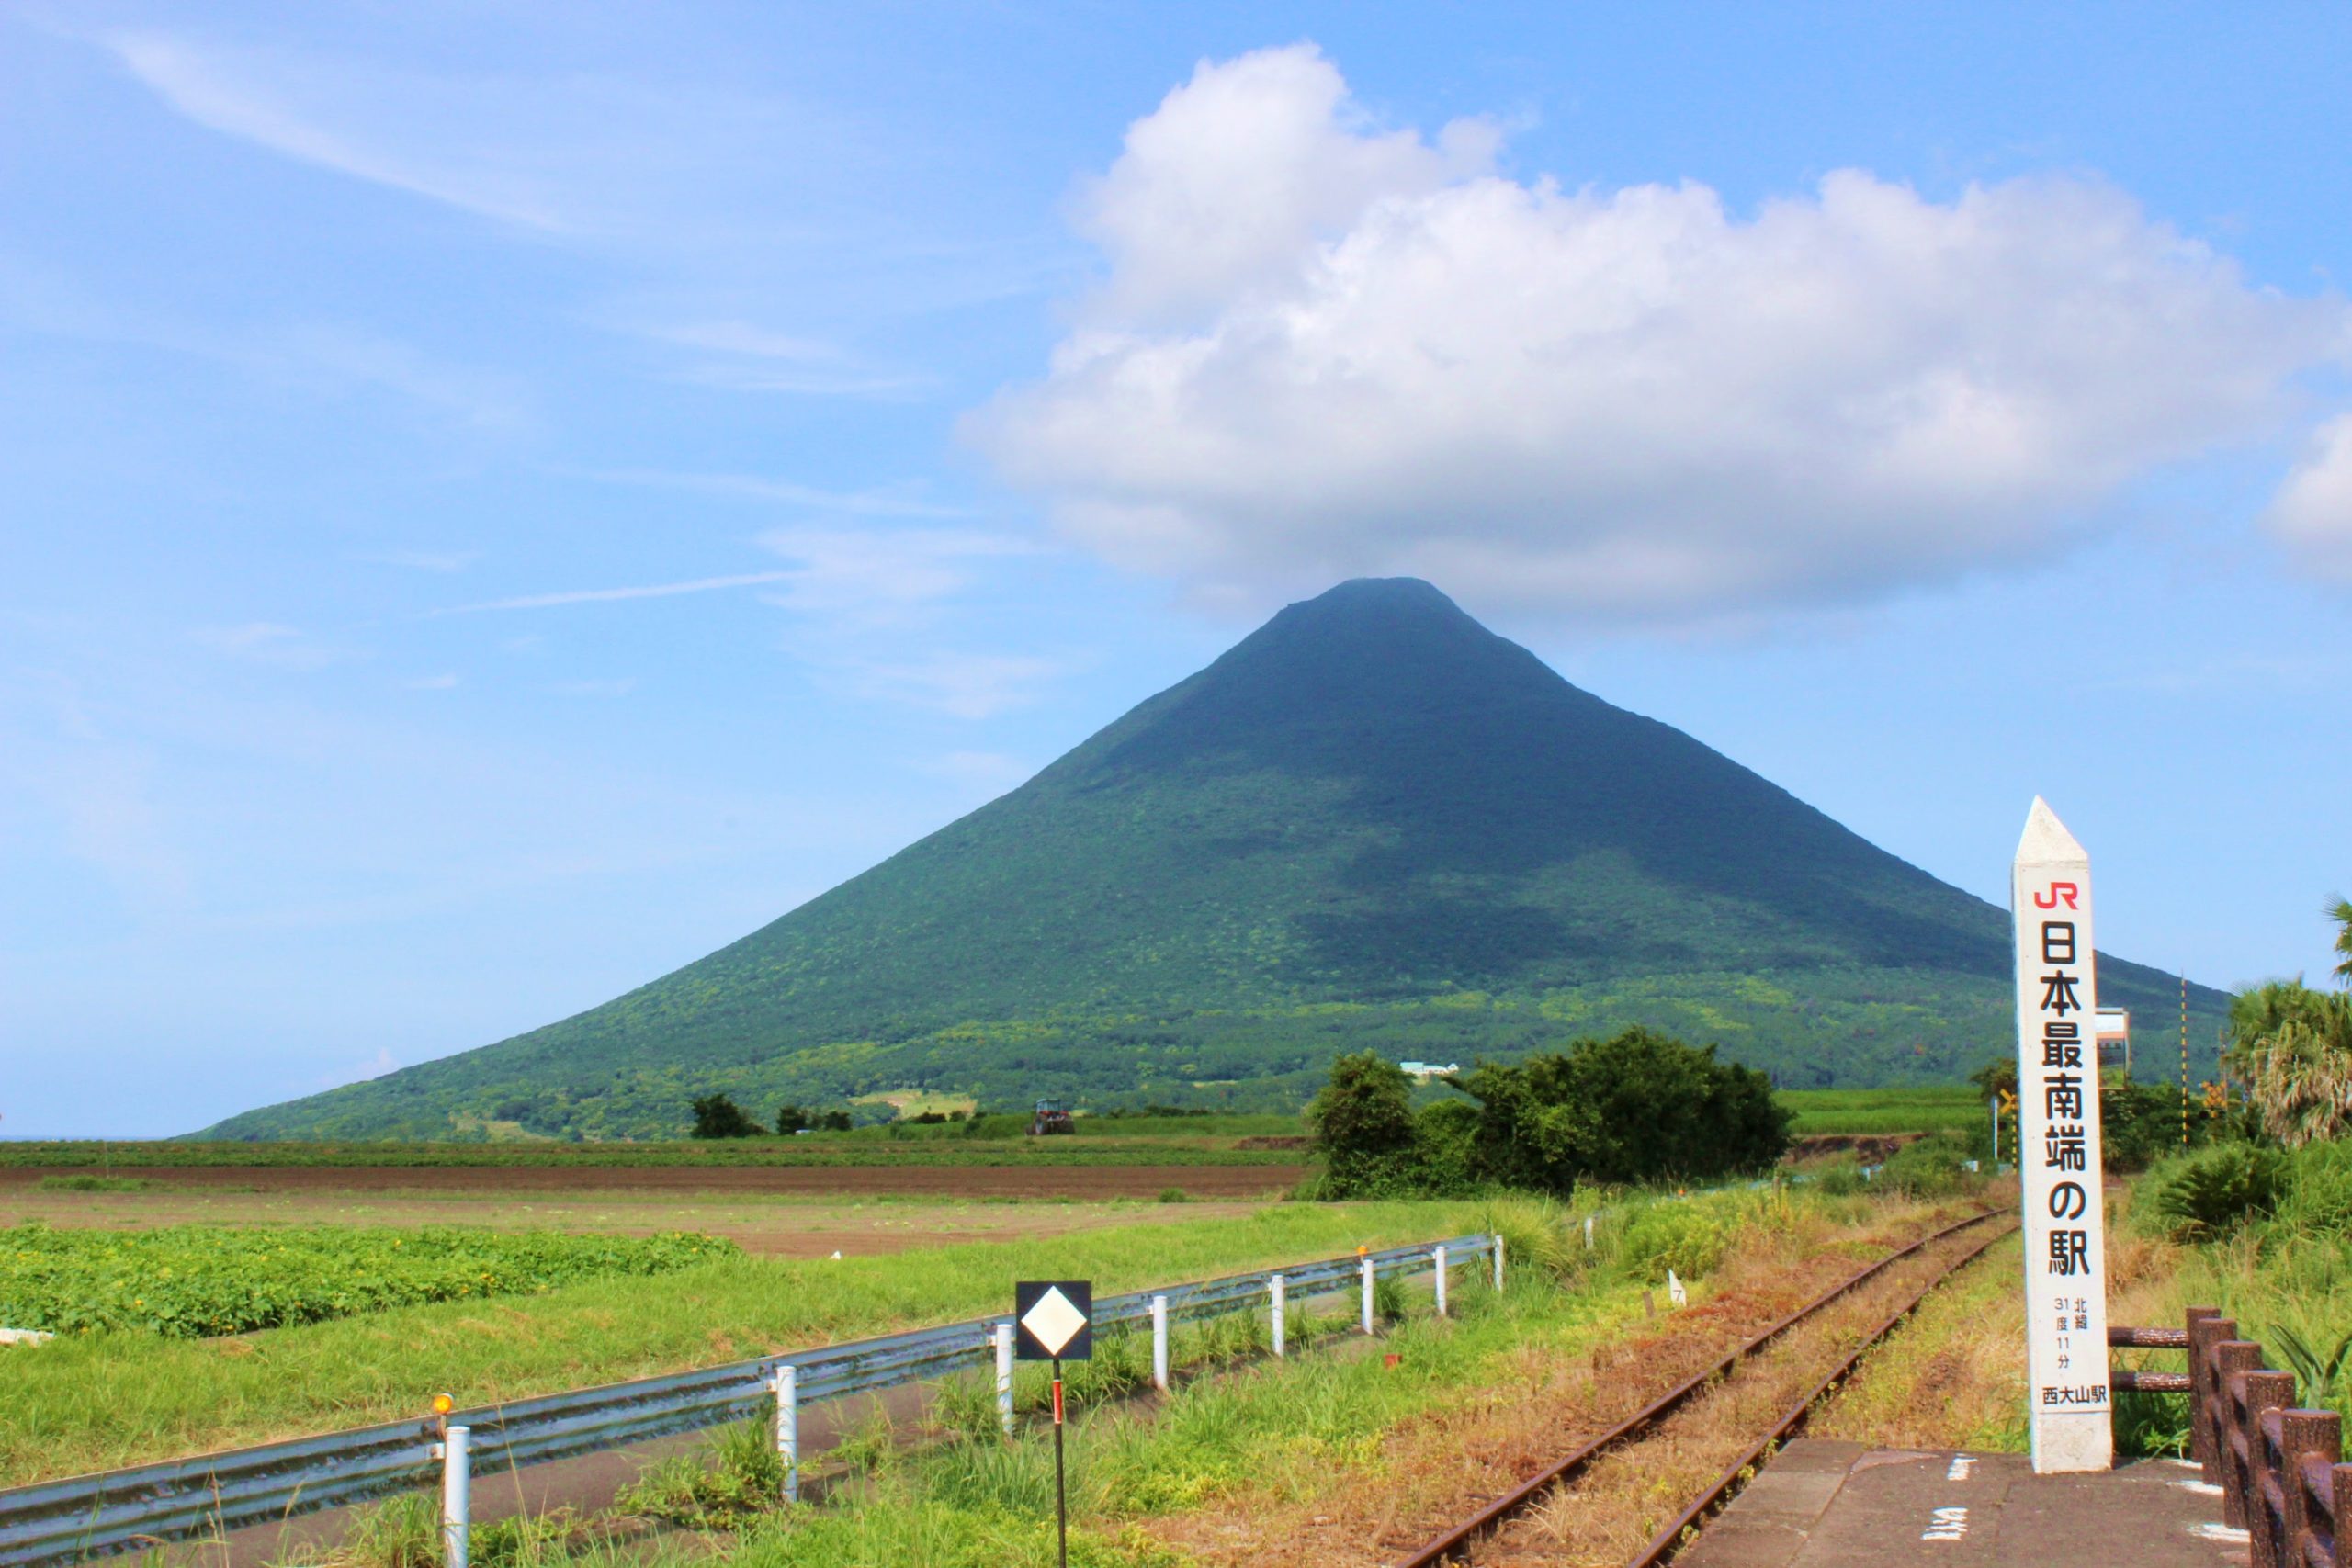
1372 821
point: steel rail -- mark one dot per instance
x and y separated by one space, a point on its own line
1455 1544
1669 1541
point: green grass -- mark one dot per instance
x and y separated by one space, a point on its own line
115 1398
1256 1435
187 1281
1932 1107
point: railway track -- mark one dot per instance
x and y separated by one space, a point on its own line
1463 1542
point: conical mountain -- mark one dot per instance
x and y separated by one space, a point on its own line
1372 821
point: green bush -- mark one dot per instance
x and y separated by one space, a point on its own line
2214 1188
717 1116
1687 1237
1637 1107
1363 1125
2317 1200
1928 1167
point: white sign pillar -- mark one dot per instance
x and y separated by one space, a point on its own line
2058 1153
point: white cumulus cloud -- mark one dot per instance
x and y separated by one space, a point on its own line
1325 349
2313 512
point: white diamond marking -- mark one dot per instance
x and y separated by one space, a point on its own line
1053 1322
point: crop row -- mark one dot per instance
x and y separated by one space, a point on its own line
190 1281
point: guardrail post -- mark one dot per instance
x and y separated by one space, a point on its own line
1160 1343
1367 1295
2303 1434
1438 1257
786 1387
456 1495
1276 1319
1004 1377
1498 1263
2257 1394
2229 1357
2206 1327
2339 1510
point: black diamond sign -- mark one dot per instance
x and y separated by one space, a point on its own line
1053 1320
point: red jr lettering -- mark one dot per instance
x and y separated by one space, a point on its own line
2058 893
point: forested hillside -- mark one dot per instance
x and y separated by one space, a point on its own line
1373 822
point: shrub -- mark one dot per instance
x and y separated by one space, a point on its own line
717 1116
1928 1167
1686 1238
1637 1107
2214 1188
2318 1197
1362 1124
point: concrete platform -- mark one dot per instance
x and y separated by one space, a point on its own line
1824 1503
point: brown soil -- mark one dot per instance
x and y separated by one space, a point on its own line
812 1212
1079 1182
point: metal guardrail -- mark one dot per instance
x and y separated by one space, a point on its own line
2278 1468
119 1511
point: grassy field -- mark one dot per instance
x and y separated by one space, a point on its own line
189 1281
1338 1456
108 1398
766 1223
1929 1109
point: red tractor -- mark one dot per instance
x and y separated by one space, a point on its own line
1052 1117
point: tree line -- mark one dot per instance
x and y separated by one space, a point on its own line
1637 1107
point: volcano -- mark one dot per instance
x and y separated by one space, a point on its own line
1373 822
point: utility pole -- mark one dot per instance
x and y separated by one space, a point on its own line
2184 1060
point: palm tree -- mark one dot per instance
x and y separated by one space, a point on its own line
2341 913
2292 1048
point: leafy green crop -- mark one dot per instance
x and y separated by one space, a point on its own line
191 1281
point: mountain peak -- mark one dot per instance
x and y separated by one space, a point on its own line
1371 823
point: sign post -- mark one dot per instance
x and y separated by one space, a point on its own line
1055 1321
2058 1151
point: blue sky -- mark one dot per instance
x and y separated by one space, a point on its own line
496 502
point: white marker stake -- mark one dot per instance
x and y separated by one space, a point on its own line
788 1429
1276 1321
1439 1256
1004 1377
2058 1153
456 1495
1498 1262
1367 1295
1160 1343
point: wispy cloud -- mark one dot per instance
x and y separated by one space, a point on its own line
285 105
745 357
424 561
873 576
960 684
607 595
882 501
266 642
327 357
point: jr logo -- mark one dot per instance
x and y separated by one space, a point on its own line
2056 894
